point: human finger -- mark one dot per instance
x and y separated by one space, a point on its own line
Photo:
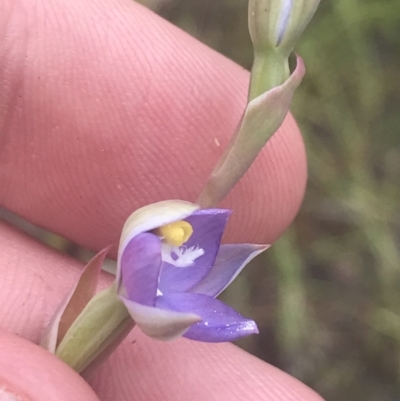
28 372
106 107
142 368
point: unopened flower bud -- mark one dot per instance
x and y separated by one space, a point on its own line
275 26
278 24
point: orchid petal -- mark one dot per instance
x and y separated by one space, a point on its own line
231 260
150 217
208 226
159 323
219 322
140 268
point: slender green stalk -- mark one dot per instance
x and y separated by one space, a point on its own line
95 330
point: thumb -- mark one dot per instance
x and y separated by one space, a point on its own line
28 372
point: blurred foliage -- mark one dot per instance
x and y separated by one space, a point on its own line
328 304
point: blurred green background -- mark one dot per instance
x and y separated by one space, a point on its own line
328 303
326 296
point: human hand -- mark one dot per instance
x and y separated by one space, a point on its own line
105 107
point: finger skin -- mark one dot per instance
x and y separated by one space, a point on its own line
142 368
105 107
29 373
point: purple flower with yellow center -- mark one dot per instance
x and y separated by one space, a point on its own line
171 266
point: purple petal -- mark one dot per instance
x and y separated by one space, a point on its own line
140 268
159 323
231 260
219 322
208 227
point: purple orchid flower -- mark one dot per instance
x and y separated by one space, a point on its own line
171 266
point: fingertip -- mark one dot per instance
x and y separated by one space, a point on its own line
122 123
189 370
140 369
28 372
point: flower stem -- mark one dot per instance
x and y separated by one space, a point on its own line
97 331
270 69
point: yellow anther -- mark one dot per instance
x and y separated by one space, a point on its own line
175 234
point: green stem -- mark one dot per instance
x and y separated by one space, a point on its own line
270 69
102 325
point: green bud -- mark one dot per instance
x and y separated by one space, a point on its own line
275 26
278 24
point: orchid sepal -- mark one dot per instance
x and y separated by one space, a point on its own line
217 322
230 261
164 325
